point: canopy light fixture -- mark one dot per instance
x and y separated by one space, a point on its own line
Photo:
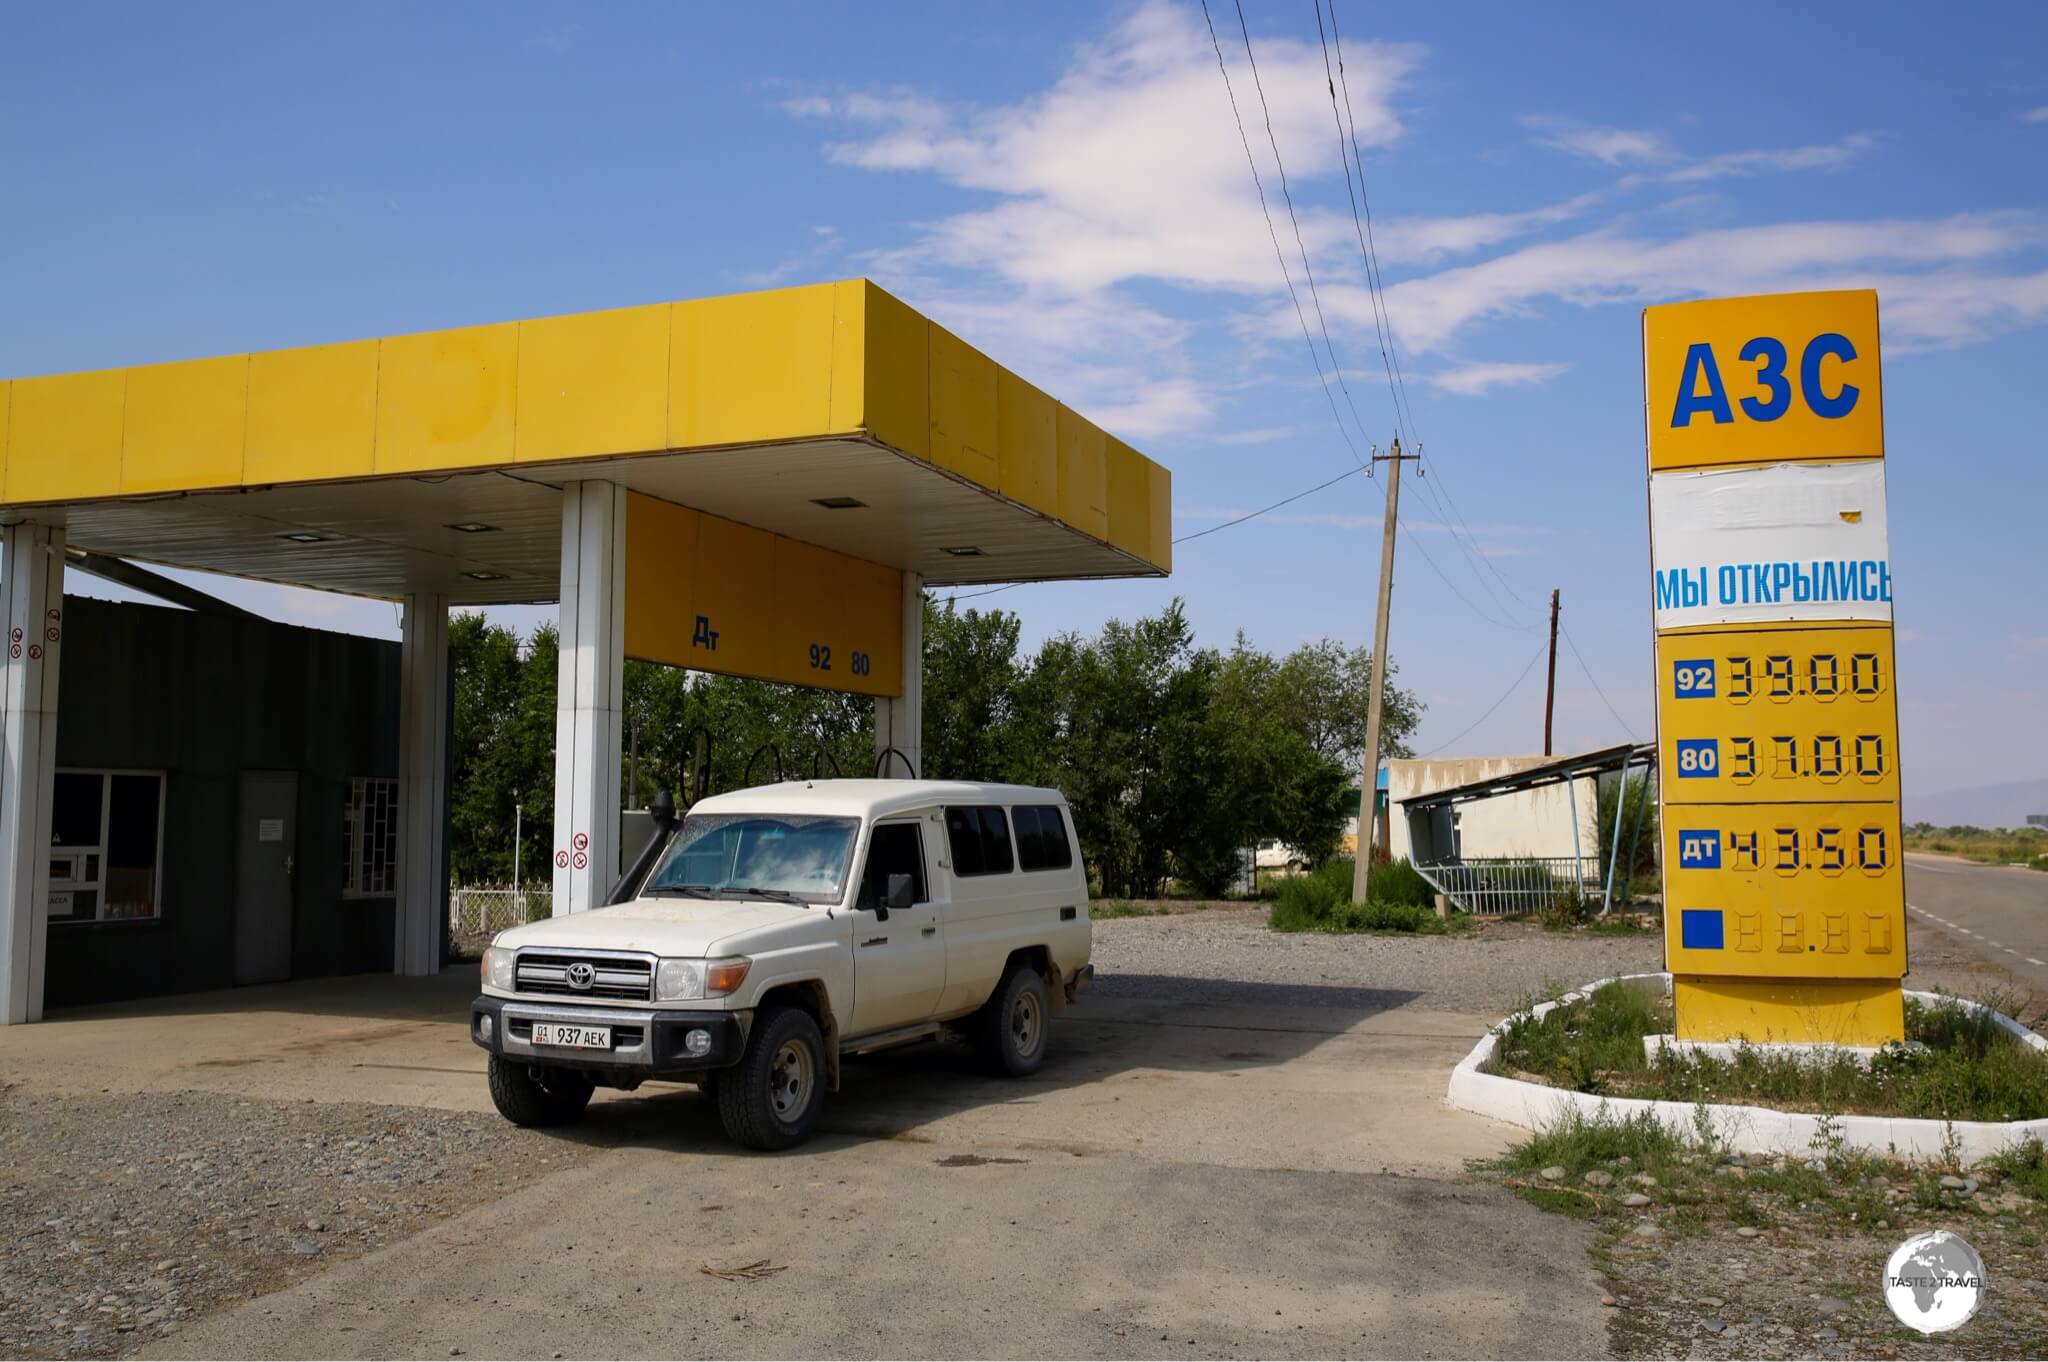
485 576
472 527
966 551
837 503
306 537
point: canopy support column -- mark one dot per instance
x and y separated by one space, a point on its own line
590 695
424 701
31 637
899 719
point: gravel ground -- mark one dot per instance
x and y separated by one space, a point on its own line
1223 953
1226 955
1808 1285
127 1216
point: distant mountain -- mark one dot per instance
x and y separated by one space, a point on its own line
1986 806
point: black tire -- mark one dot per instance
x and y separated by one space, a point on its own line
1013 1026
532 1095
772 1098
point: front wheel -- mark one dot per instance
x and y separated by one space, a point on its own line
531 1095
772 1098
1014 1022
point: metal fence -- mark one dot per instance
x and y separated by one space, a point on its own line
1507 885
483 911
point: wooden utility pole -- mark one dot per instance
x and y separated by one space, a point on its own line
1369 782
1550 687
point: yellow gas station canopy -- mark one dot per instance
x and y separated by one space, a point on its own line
831 415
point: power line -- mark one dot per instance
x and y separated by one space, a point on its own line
1468 547
1456 513
1285 501
1200 534
1513 686
1364 251
1430 558
1625 727
1278 253
1287 197
1349 151
1374 277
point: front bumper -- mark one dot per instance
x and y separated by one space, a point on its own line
645 1042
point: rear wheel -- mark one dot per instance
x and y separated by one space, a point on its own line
772 1098
1013 1024
533 1095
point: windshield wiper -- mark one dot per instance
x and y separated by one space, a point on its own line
775 895
685 891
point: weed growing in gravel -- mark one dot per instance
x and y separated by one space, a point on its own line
1590 1166
1114 908
1958 1064
2025 1166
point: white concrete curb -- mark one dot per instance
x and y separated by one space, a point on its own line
1536 1106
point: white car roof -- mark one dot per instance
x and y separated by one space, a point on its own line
870 798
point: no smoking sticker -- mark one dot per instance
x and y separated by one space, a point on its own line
582 860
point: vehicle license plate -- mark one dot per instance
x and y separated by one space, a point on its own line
572 1037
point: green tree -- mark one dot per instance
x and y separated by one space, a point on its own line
971 679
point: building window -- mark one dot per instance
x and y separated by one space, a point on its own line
106 846
369 838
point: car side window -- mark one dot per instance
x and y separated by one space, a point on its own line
893 849
979 836
1041 838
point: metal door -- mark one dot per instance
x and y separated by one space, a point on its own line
899 961
266 837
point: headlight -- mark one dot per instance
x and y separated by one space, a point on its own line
497 967
678 981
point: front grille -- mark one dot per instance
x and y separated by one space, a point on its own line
614 977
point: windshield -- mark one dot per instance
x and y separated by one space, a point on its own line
770 855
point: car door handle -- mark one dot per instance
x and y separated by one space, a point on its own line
931 931
876 941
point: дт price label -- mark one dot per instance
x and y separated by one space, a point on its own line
1793 890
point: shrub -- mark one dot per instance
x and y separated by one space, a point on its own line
1320 901
1567 909
1398 881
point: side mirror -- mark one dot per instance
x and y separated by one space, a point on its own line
899 893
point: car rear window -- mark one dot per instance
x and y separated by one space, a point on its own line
1041 837
980 840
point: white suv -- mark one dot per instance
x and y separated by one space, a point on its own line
786 926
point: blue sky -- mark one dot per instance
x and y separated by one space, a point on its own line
1064 186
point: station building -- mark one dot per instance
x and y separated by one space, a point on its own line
760 484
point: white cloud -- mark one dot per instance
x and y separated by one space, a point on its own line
1478 378
1932 275
1129 173
1129 168
1262 435
1609 146
1827 156
2039 115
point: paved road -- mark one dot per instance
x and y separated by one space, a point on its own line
2000 911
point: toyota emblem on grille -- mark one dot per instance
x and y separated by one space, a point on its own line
582 975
